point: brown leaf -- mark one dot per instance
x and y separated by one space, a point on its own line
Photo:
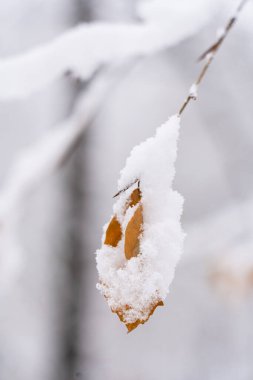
131 247
113 233
132 234
131 326
135 197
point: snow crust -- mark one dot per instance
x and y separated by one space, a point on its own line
144 280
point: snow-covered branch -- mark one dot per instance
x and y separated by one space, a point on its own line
36 163
86 47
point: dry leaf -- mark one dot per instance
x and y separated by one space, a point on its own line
113 233
133 230
135 276
132 234
131 247
131 326
135 197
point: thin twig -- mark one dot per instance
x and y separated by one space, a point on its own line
209 54
126 188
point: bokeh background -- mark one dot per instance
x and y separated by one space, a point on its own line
54 325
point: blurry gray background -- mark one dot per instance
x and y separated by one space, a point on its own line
53 322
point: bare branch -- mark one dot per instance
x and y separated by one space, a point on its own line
209 54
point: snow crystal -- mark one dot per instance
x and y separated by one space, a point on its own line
144 280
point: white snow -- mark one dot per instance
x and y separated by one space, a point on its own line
86 47
144 280
166 11
193 92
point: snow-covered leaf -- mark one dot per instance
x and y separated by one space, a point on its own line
135 274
